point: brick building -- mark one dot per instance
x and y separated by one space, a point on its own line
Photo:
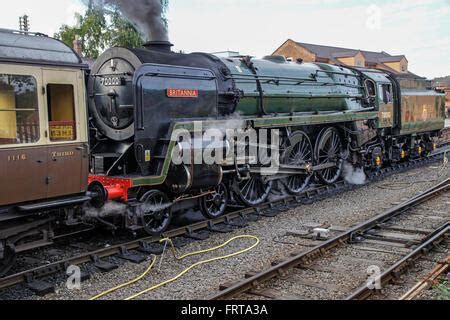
398 65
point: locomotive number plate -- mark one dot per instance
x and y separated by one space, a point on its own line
182 93
112 81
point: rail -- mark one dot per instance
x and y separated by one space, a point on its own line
347 237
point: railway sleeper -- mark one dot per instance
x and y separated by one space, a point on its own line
103 265
41 288
199 236
151 248
240 222
219 228
180 242
132 257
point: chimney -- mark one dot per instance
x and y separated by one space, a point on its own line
78 46
161 46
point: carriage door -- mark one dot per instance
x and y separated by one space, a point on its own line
66 152
23 153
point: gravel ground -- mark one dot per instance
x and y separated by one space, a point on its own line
64 249
344 210
415 274
343 270
332 277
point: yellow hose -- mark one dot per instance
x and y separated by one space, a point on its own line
127 283
174 252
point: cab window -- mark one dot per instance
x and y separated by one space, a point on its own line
61 112
386 94
370 88
19 111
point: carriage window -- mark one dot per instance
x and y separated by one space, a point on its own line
61 112
19 112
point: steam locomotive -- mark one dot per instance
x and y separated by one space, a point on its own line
74 141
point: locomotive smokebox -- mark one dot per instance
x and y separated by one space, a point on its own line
161 46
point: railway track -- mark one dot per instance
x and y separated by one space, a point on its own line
137 250
428 281
339 267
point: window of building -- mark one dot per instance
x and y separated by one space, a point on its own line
19 111
61 112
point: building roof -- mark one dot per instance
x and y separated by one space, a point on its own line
409 75
406 75
346 54
393 59
373 59
16 46
336 52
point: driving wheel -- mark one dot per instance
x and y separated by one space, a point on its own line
156 212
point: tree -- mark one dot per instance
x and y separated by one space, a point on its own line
123 33
100 28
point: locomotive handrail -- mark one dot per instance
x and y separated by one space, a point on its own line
272 78
313 77
180 76
324 84
293 94
111 74
336 72
297 81
352 111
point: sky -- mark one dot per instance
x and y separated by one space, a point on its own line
419 29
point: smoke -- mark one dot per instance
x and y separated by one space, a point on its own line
233 121
145 15
354 175
155 208
111 208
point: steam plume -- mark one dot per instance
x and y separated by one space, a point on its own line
354 175
145 15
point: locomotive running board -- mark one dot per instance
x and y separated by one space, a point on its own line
54 204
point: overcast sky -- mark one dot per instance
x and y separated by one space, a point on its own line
420 29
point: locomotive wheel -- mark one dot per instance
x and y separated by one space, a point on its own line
253 191
156 212
299 152
215 204
7 260
328 149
